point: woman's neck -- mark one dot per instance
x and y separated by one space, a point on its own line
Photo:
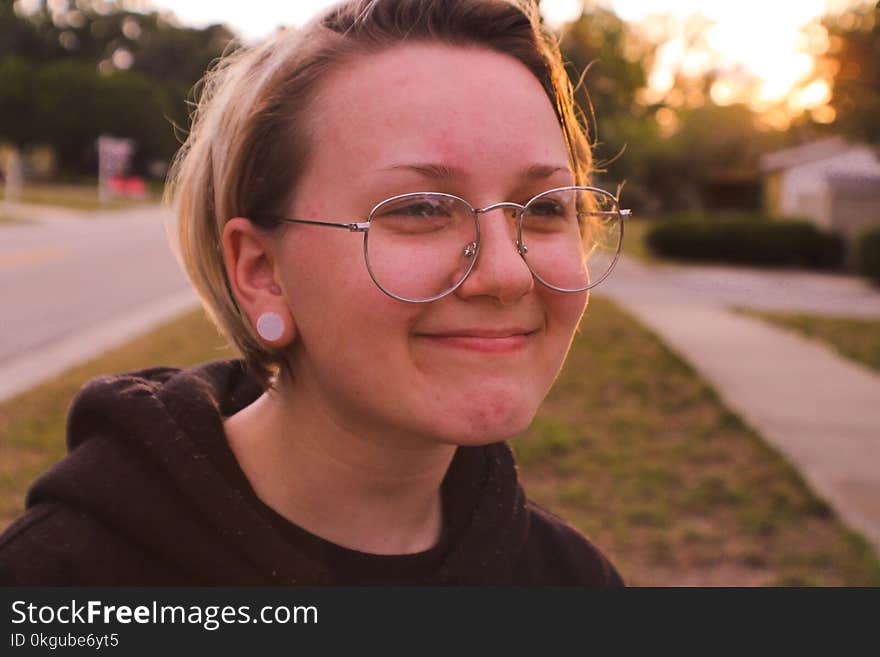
360 492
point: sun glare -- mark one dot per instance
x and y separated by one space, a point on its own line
758 52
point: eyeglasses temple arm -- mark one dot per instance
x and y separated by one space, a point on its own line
358 227
623 213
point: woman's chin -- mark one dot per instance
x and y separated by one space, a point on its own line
486 424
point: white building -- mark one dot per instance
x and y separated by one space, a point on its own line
832 182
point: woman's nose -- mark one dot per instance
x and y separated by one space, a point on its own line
500 270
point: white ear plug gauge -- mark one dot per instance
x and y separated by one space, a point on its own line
270 326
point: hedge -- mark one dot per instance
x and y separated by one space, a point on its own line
717 215
868 254
746 241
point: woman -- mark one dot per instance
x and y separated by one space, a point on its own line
360 439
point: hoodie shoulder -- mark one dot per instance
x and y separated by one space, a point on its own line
110 398
137 498
557 554
55 545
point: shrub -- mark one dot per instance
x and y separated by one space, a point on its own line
747 241
868 254
717 215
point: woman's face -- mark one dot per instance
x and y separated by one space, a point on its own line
470 368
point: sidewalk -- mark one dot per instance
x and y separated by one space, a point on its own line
821 411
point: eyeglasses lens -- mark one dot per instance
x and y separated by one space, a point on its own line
571 237
422 245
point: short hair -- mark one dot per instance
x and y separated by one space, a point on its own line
249 144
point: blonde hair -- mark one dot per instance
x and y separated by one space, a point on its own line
249 144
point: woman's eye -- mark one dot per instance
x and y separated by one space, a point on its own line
547 209
422 209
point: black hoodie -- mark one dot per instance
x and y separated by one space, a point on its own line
151 494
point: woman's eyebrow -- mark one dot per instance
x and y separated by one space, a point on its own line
445 172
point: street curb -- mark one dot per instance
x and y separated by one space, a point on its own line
31 369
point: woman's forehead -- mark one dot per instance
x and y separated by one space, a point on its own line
435 103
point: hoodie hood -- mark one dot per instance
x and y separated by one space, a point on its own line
148 459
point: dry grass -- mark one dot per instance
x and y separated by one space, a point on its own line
7 218
857 339
75 197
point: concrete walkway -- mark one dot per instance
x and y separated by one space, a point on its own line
820 410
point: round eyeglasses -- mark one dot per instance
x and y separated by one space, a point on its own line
421 246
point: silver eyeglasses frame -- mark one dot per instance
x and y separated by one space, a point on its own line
472 250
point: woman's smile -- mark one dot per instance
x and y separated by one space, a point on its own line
483 340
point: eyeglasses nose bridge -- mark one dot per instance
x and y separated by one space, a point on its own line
506 204
518 209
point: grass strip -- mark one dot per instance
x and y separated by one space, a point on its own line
856 339
75 197
637 451
630 446
6 218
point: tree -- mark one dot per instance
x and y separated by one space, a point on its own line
18 122
855 56
71 71
671 166
612 60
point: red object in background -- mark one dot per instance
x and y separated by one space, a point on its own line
131 187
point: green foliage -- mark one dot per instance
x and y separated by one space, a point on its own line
719 215
59 84
665 170
612 59
784 243
855 55
75 104
18 124
868 254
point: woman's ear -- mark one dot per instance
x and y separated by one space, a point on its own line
250 267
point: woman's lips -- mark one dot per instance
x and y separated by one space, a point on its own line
499 342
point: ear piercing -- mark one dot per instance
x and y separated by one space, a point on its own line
270 326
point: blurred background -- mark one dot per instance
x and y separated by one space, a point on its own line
728 430
686 98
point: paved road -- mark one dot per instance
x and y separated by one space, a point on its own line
73 284
821 411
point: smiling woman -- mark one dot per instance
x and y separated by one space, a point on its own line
388 214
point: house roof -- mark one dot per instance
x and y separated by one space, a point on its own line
810 152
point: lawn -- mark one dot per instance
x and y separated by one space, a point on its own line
856 339
7 218
634 231
75 197
631 446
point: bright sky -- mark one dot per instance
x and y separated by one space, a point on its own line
256 18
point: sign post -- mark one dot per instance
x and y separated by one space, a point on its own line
13 175
114 156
